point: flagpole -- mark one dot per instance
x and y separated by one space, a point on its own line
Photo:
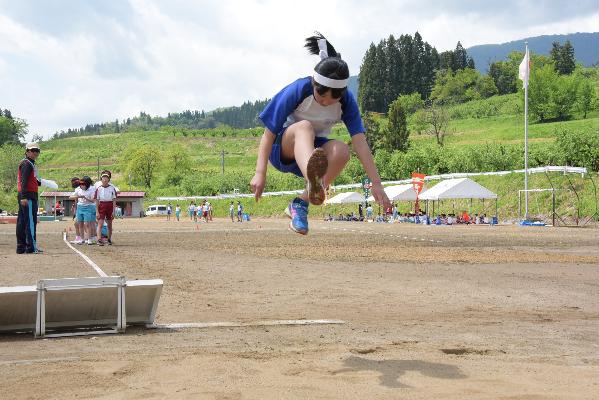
526 137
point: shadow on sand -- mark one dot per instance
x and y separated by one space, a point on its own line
392 370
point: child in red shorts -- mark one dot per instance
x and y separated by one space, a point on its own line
105 196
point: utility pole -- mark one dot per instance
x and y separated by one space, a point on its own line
222 161
527 57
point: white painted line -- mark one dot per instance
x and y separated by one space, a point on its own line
38 360
86 258
285 322
205 229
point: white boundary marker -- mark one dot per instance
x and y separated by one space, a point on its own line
284 322
549 168
200 230
86 258
39 360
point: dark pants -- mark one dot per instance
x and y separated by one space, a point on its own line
26 227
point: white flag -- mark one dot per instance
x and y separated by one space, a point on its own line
524 69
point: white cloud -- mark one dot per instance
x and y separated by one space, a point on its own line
64 64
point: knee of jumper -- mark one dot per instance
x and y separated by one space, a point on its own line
302 128
339 153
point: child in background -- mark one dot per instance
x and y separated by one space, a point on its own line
239 211
209 210
205 211
200 210
86 209
298 121
78 233
232 211
105 197
192 212
177 212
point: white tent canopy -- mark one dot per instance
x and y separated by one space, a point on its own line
345 198
463 188
399 193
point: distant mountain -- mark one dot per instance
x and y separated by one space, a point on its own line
353 84
586 49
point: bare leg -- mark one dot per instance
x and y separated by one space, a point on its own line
88 230
99 229
298 144
338 156
78 229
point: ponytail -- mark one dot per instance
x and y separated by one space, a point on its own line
319 45
331 73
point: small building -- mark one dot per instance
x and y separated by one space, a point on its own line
132 203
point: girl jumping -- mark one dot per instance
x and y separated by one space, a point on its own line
298 121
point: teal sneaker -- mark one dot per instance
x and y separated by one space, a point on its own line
298 212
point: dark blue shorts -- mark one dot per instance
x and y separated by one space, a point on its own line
275 155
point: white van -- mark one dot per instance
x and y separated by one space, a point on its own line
156 210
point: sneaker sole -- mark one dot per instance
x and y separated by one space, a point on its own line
317 167
295 230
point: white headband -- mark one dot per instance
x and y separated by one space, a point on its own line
331 83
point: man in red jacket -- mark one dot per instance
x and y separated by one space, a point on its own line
27 184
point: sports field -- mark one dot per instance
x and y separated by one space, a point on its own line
461 312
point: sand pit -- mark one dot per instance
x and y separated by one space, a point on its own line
430 312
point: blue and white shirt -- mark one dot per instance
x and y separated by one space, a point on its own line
296 103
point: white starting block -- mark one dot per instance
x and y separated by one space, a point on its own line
70 302
79 305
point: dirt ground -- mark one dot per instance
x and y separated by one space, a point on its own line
462 312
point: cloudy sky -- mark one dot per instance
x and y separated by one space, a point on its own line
67 63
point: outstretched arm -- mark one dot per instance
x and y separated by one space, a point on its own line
361 148
258 182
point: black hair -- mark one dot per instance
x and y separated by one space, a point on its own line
332 67
87 181
74 182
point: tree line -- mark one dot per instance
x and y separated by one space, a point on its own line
242 117
403 66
